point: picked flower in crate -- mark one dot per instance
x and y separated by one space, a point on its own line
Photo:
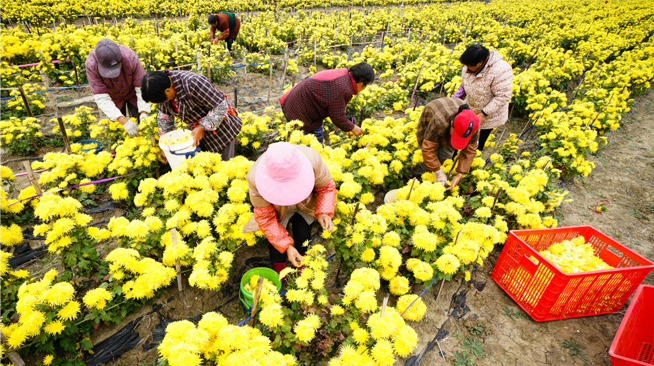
555 274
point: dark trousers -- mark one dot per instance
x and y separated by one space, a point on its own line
133 111
228 43
301 233
318 132
483 136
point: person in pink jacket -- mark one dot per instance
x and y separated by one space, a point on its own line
114 73
486 87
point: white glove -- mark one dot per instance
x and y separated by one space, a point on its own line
131 128
440 177
144 116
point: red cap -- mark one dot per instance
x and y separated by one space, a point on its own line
465 124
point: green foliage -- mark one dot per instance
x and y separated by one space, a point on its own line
574 348
513 314
475 348
476 330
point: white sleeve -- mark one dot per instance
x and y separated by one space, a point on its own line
107 106
142 105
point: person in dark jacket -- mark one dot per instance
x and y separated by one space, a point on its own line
226 23
326 94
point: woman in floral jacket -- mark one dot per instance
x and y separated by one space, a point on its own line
486 87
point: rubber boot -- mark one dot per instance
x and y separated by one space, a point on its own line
278 266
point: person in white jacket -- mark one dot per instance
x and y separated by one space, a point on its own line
114 73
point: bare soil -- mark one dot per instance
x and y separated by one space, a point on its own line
624 175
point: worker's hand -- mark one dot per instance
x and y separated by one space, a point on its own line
198 134
163 156
326 222
482 118
131 128
455 181
294 257
144 116
356 131
214 41
440 177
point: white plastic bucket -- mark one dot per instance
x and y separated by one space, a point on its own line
176 154
391 196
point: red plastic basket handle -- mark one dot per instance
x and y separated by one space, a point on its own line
528 264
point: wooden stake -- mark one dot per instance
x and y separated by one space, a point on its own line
64 135
173 235
285 65
314 52
293 80
255 301
235 98
413 181
270 80
27 104
354 215
198 57
46 83
11 354
33 180
413 94
209 70
76 75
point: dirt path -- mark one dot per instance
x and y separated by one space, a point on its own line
624 175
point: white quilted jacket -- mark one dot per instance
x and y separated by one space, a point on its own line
490 90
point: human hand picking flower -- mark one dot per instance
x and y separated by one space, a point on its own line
293 256
198 134
356 131
455 181
326 222
440 177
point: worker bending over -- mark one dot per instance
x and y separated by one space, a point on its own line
226 23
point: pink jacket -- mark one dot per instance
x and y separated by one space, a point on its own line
490 90
120 89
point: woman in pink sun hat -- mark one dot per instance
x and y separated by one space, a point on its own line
290 184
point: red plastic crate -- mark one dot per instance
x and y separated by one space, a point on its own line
546 293
633 344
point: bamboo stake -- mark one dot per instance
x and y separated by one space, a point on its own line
449 174
293 80
384 304
27 104
235 98
255 301
245 68
314 52
173 234
270 81
413 94
198 58
64 135
32 177
154 144
497 195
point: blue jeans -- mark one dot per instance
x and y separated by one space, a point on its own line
318 132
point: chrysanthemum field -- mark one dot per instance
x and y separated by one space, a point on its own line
405 283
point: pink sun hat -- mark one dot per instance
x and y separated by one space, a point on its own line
284 175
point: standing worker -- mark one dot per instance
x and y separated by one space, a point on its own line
228 24
447 125
193 99
114 73
290 184
486 86
326 94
